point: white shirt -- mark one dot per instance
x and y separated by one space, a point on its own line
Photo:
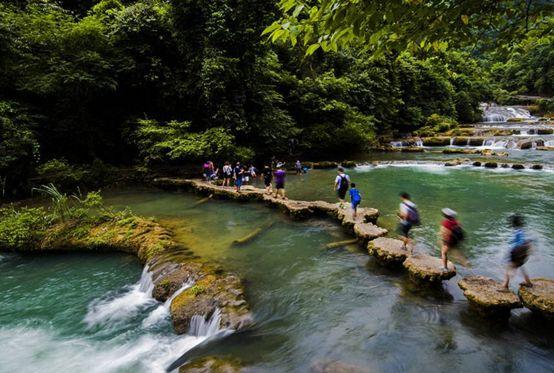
337 180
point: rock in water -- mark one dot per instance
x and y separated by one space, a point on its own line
539 298
388 250
482 293
337 367
427 268
212 364
368 231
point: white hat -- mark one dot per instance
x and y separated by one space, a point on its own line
279 165
449 212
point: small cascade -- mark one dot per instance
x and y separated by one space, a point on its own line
419 143
468 141
534 145
549 143
200 327
162 311
397 144
452 139
115 309
500 114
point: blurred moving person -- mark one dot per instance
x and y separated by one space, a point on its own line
451 234
409 216
520 248
267 172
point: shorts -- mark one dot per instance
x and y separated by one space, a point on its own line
341 193
267 181
355 205
238 182
227 176
280 185
404 229
519 255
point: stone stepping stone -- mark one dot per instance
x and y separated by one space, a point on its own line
482 293
368 231
539 298
388 250
364 215
427 268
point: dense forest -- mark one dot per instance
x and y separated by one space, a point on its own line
168 82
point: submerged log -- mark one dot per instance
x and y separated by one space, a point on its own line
334 245
484 296
252 235
427 268
202 201
540 297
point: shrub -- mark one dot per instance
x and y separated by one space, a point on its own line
436 123
60 173
21 229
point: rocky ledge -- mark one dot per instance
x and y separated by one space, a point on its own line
172 266
540 297
484 295
388 251
426 268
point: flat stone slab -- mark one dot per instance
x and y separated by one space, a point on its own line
483 292
388 250
427 268
540 297
364 215
368 231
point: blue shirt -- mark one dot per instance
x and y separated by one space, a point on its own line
518 239
355 195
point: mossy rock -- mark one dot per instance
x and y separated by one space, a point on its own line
324 165
436 141
212 364
412 149
211 292
545 131
368 231
536 167
484 295
540 297
337 367
460 151
491 165
348 164
477 164
517 166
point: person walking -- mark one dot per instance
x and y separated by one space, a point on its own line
208 170
227 174
409 216
238 174
451 234
520 248
298 167
280 175
268 177
355 199
341 184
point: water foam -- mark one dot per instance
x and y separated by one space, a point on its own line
116 309
162 311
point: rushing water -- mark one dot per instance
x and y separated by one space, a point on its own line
82 313
310 304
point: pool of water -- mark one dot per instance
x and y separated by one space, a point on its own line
312 304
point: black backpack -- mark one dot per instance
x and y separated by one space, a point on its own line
457 235
413 215
343 184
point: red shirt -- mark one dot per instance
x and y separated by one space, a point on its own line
449 223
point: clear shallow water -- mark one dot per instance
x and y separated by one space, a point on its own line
82 313
313 304
310 304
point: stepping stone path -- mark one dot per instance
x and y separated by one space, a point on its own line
540 297
388 251
427 268
482 293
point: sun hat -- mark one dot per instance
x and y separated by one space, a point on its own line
279 165
449 212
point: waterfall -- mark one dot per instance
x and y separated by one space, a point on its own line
419 143
452 141
199 326
396 144
114 309
549 143
468 141
498 114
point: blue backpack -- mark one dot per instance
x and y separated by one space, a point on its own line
413 215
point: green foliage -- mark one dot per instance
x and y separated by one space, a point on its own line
19 149
397 24
22 228
436 124
546 106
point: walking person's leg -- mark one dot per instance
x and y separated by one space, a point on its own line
444 256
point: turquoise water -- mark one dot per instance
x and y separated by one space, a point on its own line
310 304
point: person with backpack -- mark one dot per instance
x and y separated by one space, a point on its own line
238 173
520 248
227 174
268 177
451 234
342 181
409 216
355 199
208 170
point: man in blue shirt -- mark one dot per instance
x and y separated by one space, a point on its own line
520 248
